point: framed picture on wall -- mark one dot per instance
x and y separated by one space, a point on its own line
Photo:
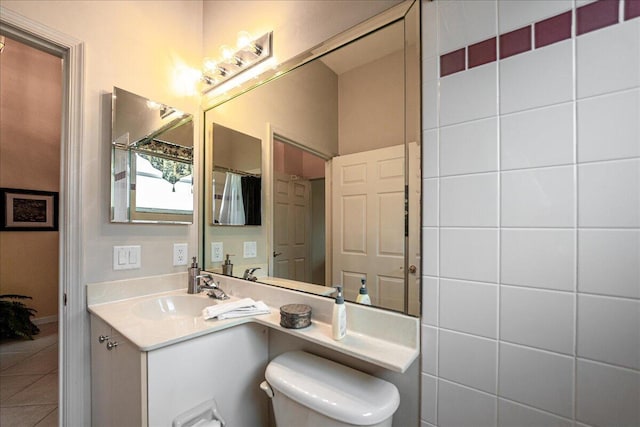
28 210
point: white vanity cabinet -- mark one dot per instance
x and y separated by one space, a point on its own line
131 387
117 371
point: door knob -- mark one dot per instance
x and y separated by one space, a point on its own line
103 338
111 345
413 269
275 254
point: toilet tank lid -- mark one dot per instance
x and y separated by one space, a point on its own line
334 390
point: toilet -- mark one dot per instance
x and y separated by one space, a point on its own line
307 390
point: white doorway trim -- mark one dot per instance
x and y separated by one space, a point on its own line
73 362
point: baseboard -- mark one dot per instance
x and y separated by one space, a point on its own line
45 319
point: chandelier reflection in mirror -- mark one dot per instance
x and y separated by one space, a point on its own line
248 53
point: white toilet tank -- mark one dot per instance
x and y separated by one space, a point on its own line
314 392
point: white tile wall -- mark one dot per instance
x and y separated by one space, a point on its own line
555 286
463 22
606 395
470 200
429 393
537 78
609 330
469 307
463 407
430 301
609 194
430 104
469 147
542 258
608 262
430 154
511 414
470 254
538 197
540 137
537 318
608 126
431 203
429 343
515 14
468 360
468 96
537 378
608 60
430 253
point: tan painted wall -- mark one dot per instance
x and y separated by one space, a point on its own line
30 117
139 46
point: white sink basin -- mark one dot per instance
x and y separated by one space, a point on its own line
173 307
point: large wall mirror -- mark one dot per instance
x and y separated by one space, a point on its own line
151 161
340 138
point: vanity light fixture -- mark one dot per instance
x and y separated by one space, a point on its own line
248 53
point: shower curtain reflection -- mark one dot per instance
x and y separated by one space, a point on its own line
232 205
251 194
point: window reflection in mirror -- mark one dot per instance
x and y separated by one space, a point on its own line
152 161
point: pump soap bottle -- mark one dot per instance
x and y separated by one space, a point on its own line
339 318
363 296
227 267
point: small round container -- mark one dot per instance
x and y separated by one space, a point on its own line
295 316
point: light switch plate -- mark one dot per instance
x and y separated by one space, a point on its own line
126 257
250 249
216 251
180 254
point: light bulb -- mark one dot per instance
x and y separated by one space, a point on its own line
226 52
244 39
210 65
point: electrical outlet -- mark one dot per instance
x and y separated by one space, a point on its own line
216 251
250 249
180 253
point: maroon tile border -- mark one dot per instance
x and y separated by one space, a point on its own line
482 52
452 62
631 9
596 15
553 30
590 17
515 42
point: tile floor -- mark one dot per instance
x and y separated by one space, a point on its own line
29 380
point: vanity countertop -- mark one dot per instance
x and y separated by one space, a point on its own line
370 332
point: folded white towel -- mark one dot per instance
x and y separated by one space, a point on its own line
231 310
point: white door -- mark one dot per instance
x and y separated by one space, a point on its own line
368 229
291 228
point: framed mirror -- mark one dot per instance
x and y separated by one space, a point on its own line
151 161
340 132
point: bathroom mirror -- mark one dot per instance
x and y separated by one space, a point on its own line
340 132
151 161
235 196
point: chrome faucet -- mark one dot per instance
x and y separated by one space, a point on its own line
194 286
248 274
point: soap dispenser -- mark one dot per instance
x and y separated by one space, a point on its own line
194 272
227 267
363 295
339 318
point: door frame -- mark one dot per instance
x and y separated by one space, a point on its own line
73 363
273 132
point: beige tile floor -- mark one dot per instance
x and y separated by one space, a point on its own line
29 380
